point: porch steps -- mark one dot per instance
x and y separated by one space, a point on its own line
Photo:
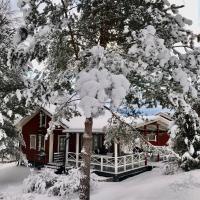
53 165
124 175
58 157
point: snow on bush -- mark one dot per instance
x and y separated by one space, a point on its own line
170 168
40 182
47 182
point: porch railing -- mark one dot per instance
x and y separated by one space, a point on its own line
105 163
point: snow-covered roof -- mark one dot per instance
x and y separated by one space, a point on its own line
76 124
162 121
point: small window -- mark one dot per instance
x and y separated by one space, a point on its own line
41 142
151 137
62 140
42 119
97 142
32 141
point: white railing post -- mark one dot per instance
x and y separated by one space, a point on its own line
124 163
116 158
77 149
101 163
132 161
67 149
139 159
51 138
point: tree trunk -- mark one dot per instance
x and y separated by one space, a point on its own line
86 156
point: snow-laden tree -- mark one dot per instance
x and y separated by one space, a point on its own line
151 34
42 39
185 135
97 87
89 40
10 80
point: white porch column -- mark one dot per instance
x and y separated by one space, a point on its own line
77 148
51 147
115 154
67 149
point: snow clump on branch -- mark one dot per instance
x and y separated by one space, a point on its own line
96 87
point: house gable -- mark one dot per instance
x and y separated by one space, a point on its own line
36 115
156 130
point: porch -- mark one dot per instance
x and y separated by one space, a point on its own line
110 164
118 168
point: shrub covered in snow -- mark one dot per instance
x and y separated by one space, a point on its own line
170 168
40 182
47 182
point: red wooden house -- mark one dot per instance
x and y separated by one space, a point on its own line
155 129
64 145
34 128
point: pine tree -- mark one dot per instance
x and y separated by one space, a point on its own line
11 83
139 40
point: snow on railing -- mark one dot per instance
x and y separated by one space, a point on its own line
106 163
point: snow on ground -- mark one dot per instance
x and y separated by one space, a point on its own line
6 165
11 179
151 185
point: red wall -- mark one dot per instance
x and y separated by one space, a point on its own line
33 127
162 139
162 136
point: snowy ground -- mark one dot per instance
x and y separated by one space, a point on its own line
151 185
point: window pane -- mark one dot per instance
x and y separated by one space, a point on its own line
32 142
62 143
40 142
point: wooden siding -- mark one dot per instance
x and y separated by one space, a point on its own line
33 127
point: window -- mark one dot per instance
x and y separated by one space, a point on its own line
42 119
41 142
32 141
151 137
61 146
97 143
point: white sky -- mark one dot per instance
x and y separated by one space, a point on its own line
190 11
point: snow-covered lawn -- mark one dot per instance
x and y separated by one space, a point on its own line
11 179
151 185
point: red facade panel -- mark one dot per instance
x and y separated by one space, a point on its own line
32 127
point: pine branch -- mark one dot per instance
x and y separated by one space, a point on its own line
173 7
70 30
183 46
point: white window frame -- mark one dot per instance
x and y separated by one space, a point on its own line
150 139
40 142
35 146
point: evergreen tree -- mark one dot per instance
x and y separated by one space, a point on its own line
11 83
139 40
